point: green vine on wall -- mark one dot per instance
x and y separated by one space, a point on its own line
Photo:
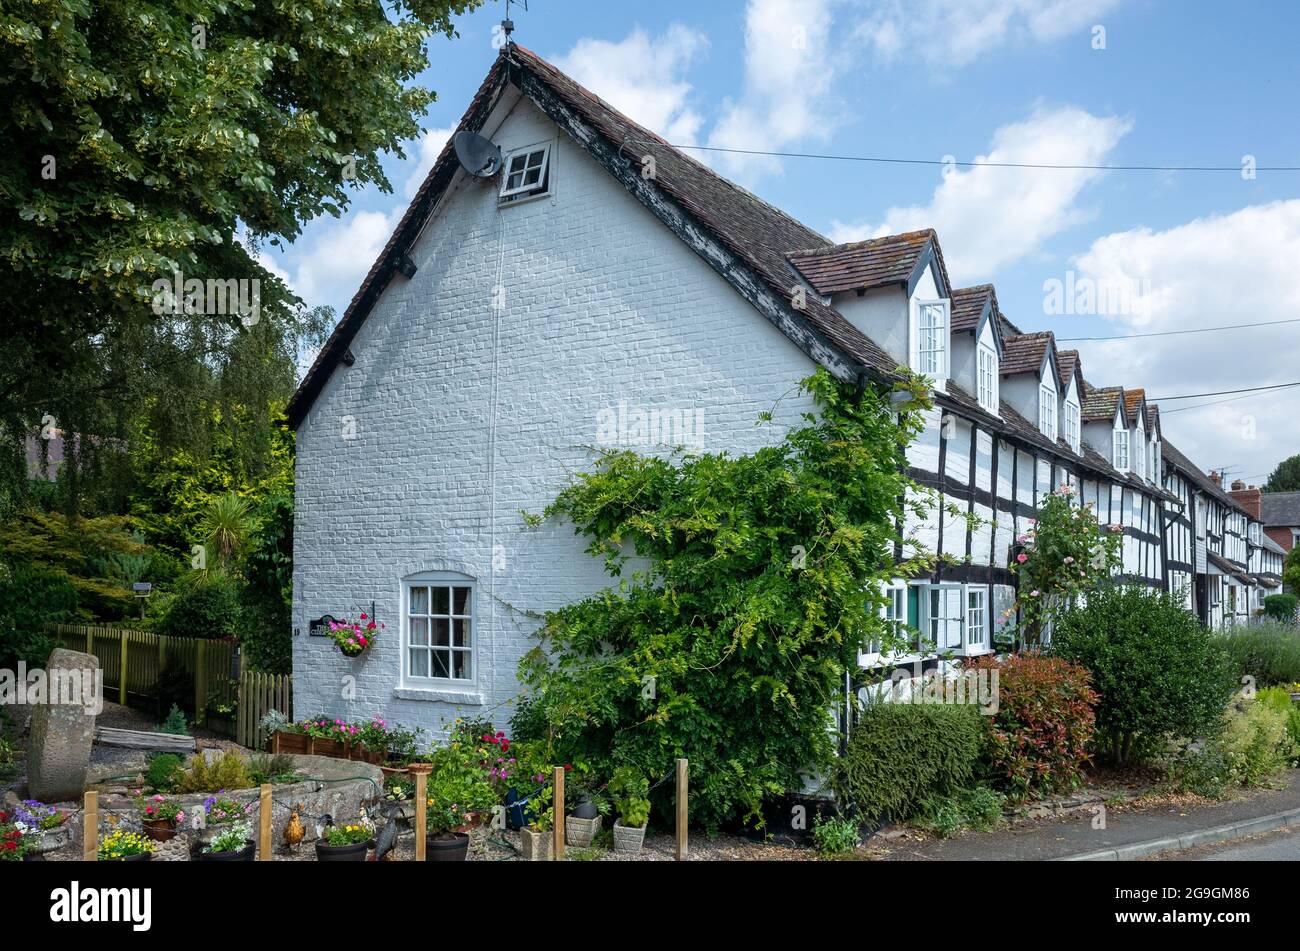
756 580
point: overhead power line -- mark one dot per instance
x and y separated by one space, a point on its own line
1173 333
886 160
1193 396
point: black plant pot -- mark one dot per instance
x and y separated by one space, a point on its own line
448 848
138 857
585 809
246 854
356 852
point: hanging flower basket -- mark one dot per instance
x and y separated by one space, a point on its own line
354 638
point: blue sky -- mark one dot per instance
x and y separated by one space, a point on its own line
1196 83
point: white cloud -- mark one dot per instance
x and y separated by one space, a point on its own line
331 269
990 217
1223 269
946 34
643 77
426 150
789 73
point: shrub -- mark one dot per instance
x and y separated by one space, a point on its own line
901 753
1255 741
1158 672
1281 607
1039 737
32 596
835 836
228 772
978 809
206 606
1279 698
163 772
1269 651
175 723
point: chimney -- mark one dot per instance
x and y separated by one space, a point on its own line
1216 478
1249 498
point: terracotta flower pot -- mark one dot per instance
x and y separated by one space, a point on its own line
447 848
160 830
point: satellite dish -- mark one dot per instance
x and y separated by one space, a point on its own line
477 154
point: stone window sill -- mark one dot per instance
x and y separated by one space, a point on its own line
440 695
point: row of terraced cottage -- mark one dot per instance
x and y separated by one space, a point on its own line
603 278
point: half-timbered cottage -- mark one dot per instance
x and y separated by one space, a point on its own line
604 275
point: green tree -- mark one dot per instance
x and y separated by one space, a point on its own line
1286 477
141 138
764 579
1291 570
227 526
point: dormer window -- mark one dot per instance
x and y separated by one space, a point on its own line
527 173
1072 424
1047 411
987 372
1121 449
931 339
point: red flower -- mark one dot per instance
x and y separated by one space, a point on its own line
567 767
363 617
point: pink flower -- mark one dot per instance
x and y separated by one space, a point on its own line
1022 558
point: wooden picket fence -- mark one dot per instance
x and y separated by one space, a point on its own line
133 662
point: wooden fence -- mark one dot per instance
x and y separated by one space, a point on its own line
133 662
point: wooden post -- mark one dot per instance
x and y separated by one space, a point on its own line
682 844
90 828
200 682
264 838
557 843
421 771
121 673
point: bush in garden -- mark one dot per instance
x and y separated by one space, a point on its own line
1279 698
1255 741
163 772
1269 651
1281 607
901 753
207 605
1038 740
835 836
228 772
976 809
1158 672
32 596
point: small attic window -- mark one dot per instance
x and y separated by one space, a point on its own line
527 173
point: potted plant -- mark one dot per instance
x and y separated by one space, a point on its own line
232 843
631 792
286 736
220 812
160 816
459 793
122 846
14 845
590 804
44 828
346 843
354 638
536 836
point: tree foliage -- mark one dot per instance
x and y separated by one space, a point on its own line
1286 477
762 579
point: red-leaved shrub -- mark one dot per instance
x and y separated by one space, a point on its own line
1038 739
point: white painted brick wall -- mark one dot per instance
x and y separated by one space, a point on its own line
603 303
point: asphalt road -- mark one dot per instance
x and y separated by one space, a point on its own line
1281 846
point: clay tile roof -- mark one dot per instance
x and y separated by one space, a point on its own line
1067 362
1024 353
1153 416
968 304
862 265
1132 400
1100 403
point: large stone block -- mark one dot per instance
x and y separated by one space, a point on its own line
63 727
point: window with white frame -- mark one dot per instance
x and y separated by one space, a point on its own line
987 360
1047 411
932 338
1140 457
438 620
944 622
1072 425
977 626
1153 460
1121 450
894 612
527 173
